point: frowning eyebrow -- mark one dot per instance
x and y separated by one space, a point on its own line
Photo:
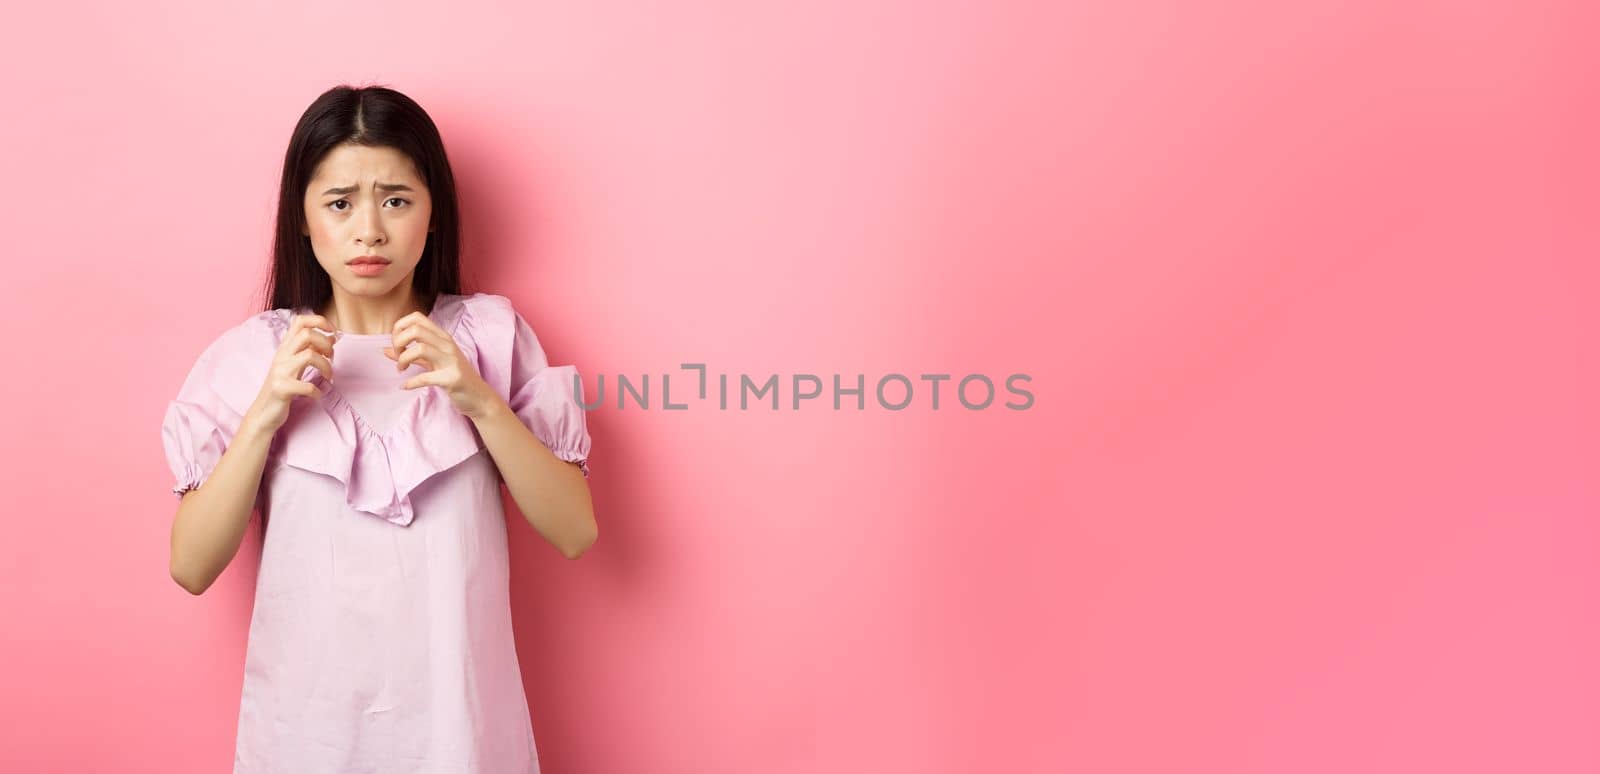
349 189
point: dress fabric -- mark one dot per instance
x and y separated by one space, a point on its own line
380 639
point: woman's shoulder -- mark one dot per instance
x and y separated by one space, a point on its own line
480 311
240 338
234 362
478 302
488 314
245 347
250 336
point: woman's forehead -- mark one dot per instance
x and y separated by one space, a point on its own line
365 166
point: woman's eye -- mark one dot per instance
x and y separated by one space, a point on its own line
386 201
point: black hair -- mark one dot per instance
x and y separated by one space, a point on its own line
374 116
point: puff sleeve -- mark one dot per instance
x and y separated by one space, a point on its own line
206 414
548 399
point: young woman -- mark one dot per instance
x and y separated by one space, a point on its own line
381 635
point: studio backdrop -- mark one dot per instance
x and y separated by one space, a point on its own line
979 387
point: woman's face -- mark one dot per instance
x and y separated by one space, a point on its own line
365 201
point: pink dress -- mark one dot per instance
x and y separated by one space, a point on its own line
381 635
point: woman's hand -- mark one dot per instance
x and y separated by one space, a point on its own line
420 340
304 345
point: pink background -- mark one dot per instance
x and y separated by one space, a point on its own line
1308 299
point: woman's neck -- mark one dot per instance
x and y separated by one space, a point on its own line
359 316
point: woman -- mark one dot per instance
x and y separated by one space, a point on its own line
381 635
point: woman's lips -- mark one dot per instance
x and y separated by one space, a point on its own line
368 269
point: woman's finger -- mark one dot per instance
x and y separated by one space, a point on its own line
417 333
422 380
421 353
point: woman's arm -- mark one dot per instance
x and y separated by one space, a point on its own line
211 520
552 493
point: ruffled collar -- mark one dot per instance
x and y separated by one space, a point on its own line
379 470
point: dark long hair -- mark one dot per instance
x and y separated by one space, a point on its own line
374 116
